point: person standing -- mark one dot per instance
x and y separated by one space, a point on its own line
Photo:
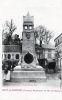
7 72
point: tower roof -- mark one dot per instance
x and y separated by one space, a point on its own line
28 14
28 18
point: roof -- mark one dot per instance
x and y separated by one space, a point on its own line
17 48
45 46
48 46
11 48
57 36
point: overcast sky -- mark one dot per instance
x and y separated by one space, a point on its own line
46 12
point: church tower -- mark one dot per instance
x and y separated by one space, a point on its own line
28 46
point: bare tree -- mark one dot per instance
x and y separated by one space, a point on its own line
11 27
43 34
17 39
8 30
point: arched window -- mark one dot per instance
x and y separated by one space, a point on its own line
9 56
25 27
30 27
17 56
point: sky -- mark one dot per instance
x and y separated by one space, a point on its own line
46 12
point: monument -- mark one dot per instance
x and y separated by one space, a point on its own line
29 70
29 59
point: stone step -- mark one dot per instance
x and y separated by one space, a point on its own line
23 80
28 75
28 69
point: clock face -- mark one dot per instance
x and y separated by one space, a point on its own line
28 35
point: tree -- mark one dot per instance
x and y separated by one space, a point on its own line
42 34
11 27
8 30
4 37
16 39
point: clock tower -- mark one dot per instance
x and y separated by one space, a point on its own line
29 70
29 58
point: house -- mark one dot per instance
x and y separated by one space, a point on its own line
58 50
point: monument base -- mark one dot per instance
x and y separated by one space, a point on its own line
37 74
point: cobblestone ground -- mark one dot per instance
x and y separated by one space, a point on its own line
54 76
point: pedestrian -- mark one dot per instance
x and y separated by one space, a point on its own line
6 72
9 71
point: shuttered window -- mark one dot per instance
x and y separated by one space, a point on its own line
9 56
17 56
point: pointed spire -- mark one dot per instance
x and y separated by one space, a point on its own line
28 14
28 17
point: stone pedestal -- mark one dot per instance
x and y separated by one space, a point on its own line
24 75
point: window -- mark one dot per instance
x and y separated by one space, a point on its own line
2 56
17 56
55 43
49 53
30 27
9 56
25 27
5 56
58 41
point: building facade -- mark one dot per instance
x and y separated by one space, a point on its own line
11 54
58 50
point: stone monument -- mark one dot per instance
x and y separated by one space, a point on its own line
29 58
29 70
